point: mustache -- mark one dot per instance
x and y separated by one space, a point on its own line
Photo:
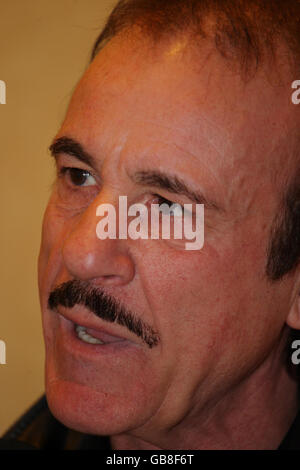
76 292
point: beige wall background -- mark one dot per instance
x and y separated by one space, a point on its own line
44 49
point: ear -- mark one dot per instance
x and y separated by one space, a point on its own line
293 318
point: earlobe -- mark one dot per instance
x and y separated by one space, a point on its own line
293 319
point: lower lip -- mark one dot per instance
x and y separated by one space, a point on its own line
74 344
104 337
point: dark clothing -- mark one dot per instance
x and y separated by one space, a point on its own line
38 428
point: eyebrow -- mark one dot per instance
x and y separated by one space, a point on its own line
71 147
154 178
174 185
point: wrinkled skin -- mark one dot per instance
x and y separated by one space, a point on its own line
222 324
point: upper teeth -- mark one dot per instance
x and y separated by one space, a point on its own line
84 336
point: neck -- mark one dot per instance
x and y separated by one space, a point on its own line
255 414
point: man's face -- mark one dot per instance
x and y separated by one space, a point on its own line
216 314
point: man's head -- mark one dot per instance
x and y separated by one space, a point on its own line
173 108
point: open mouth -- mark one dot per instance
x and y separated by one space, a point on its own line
92 336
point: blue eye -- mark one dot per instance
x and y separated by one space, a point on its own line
78 177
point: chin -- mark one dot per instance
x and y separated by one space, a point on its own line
105 391
86 410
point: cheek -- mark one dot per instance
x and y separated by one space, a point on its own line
217 319
209 298
52 237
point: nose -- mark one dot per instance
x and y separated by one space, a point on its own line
86 257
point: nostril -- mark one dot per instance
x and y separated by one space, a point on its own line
114 279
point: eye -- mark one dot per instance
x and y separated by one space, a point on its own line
165 205
78 177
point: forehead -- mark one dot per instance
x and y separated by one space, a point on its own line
196 107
